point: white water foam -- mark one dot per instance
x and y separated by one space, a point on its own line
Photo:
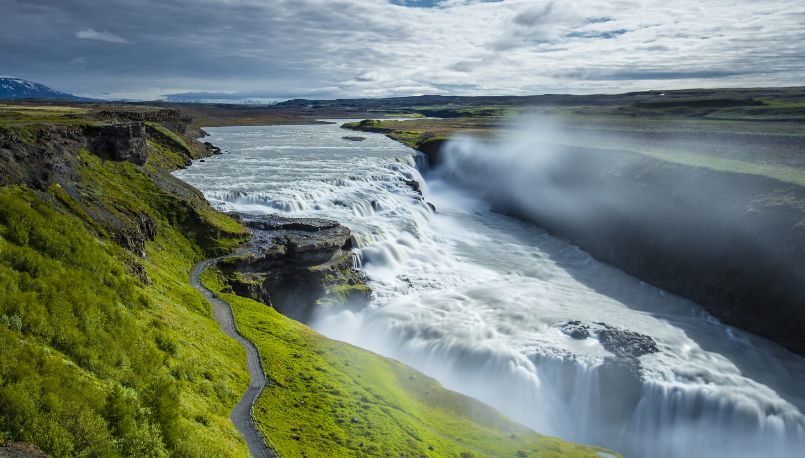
474 299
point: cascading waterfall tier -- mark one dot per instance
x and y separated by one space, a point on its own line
502 311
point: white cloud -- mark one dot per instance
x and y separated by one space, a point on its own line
92 34
375 48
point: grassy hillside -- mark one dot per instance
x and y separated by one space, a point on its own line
327 398
106 352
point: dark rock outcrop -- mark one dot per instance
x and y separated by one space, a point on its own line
575 329
623 343
118 142
21 450
620 342
432 148
413 184
39 156
133 237
174 120
297 264
212 149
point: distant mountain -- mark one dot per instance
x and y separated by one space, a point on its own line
434 105
16 88
230 98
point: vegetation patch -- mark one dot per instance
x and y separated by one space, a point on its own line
106 349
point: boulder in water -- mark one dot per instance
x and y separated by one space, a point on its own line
620 342
575 329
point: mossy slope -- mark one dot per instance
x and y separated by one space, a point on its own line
106 349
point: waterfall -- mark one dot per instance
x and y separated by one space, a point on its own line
500 310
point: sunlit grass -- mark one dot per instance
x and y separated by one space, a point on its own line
96 361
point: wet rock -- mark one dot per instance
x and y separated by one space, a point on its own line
297 265
620 376
623 343
211 149
413 184
575 329
620 342
353 138
281 223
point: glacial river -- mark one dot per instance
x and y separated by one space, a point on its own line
500 310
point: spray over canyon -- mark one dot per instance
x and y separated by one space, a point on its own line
503 311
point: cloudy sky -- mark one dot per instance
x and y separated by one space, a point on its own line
337 48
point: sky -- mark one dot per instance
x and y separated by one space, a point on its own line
281 49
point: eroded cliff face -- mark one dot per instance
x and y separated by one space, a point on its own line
174 120
297 265
41 156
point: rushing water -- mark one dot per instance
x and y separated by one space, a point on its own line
476 300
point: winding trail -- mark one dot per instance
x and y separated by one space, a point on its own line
241 415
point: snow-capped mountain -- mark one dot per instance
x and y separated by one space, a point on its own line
16 88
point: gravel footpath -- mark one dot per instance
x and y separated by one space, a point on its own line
241 415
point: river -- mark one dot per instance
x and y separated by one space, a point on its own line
500 310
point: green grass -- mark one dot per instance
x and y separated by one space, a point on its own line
328 398
769 162
16 115
170 134
403 115
466 111
95 360
167 158
787 174
342 294
405 131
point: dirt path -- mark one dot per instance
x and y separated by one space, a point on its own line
241 415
